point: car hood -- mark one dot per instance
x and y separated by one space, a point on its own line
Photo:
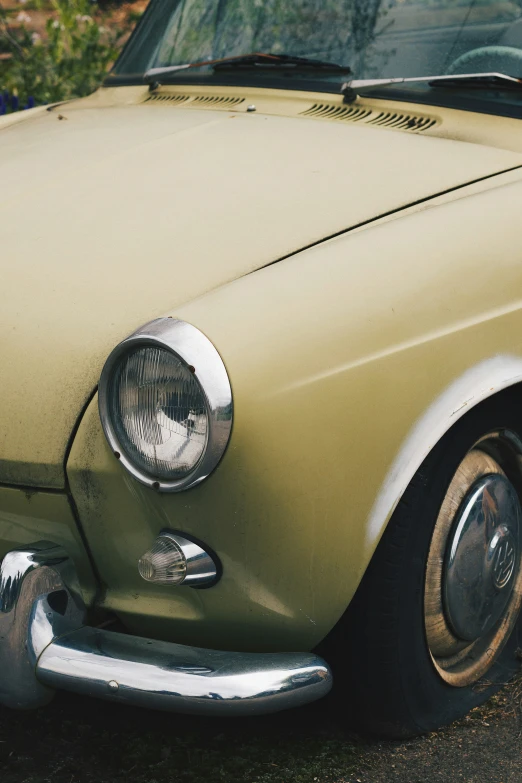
112 216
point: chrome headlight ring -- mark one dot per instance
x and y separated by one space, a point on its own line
197 354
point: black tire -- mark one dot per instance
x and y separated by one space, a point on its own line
384 679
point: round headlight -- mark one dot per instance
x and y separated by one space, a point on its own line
166 405
159 413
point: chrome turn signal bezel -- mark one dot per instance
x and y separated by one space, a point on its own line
202 567
200 356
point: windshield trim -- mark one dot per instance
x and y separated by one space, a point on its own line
420 94
479 103
133 37
283 81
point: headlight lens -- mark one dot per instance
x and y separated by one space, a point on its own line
166 405
159 412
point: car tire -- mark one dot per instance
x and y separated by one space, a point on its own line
387 680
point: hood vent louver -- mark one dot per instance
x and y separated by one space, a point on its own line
166 98
385 119
222 100
225 101
338 112
402 121
326 111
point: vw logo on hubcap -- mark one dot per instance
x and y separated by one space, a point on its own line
483 555
504 559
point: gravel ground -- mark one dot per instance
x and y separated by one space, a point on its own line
77 740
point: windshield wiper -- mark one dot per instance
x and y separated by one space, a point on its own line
259 60
480 80
254 60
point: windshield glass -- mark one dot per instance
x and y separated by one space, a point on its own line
376 38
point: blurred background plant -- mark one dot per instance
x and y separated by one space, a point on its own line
53 50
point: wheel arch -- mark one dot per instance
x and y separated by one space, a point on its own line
391 673
477 384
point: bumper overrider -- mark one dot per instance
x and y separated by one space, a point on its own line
46 646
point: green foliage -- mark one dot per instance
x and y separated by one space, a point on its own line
68 61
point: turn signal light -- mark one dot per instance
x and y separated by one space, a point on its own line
174 560
164 563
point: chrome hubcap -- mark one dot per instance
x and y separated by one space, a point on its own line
482 557
473 582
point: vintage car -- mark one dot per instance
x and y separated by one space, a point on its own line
261 366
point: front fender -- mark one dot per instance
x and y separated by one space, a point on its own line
348 362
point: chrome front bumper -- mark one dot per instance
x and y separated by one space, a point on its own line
45 646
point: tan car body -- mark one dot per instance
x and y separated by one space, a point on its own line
394 307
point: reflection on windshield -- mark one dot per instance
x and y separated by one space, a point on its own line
377 38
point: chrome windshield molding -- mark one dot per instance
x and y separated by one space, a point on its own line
197 353
173 677
32 579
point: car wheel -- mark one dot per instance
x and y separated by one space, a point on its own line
432 629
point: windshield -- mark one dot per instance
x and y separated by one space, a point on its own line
375 38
